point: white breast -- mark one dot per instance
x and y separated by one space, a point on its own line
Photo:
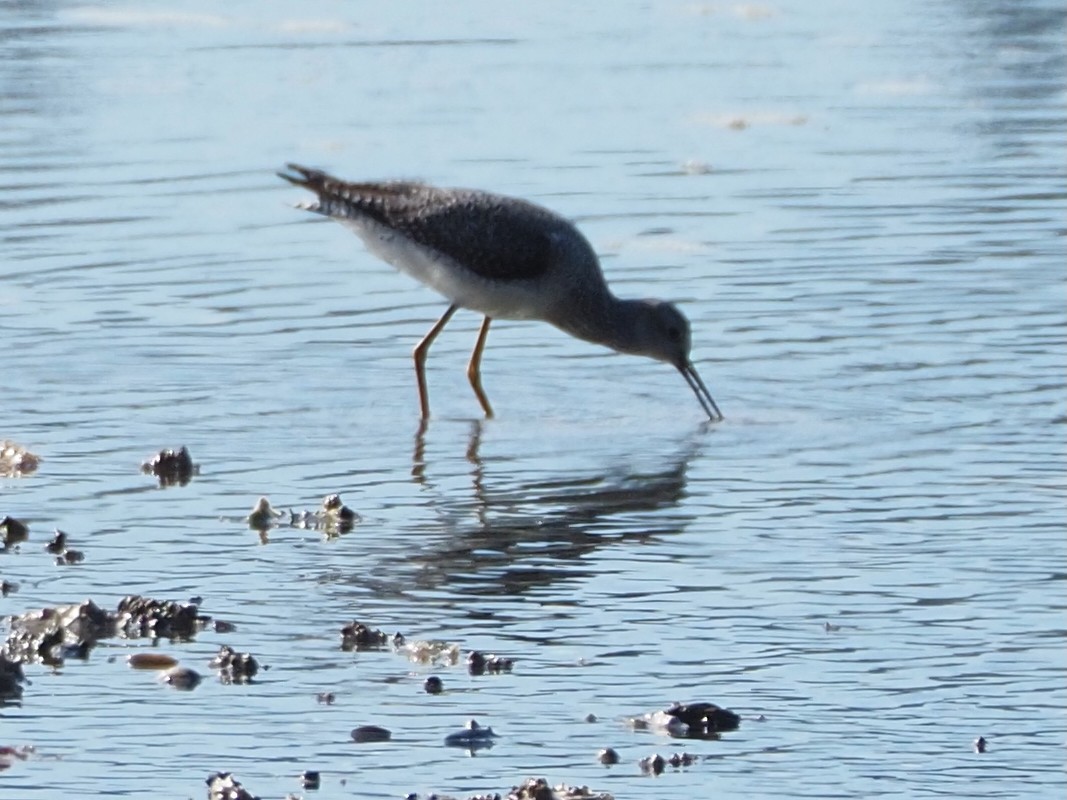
509 299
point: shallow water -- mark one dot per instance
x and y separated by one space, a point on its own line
863 216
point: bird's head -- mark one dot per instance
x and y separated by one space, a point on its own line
661 332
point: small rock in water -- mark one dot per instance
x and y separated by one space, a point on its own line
182 678
326 698
151 661
371 733
310 779
499 664
479 663
681 759
58 543
433 685
337 513
475 663
234 667
64 555
262 516
146 616
11 679
358 636
171 467
980 744
71 557
223 786
607 756
15 532
653 765
704 720
692 720
471 737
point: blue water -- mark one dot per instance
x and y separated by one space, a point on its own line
862 213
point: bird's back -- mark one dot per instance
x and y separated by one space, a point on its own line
495 237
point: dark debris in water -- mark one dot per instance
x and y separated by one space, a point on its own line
701 720
371 733
58 544
64 554
530 789
472 736
172 467
358 636
11 680
162 619
705 720
655 764
607 756
478 663
234 667
182 678
223 786
333 517
9 755
15 532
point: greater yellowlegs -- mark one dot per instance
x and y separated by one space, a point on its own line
505 258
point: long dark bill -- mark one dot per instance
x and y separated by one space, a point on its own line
707 402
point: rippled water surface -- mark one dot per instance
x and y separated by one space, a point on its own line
861 211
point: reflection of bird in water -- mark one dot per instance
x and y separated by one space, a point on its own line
503 257
510 534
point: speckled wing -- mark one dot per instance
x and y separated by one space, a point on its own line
496 237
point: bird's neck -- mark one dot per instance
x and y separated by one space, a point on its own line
601 318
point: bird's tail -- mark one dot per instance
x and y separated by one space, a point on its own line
312 179
344 200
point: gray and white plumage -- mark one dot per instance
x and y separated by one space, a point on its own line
505 258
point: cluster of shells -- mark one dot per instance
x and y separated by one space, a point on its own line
16 460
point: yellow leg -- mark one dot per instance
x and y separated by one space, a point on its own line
421 349
474 368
